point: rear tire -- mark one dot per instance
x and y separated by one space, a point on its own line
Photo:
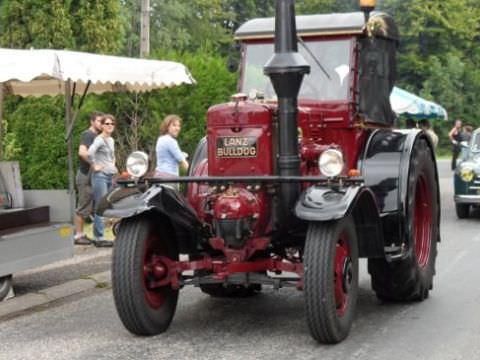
411 277
143 310
331 279
463 211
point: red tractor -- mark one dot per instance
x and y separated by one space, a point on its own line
294 182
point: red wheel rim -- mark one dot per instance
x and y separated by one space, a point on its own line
422 221
154 269
343 276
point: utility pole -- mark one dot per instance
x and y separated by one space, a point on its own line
145 29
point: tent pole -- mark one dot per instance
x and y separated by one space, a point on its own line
68 121
75 114
1 121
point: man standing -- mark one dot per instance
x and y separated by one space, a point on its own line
455 136
85 196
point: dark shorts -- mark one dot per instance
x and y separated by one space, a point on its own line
85 195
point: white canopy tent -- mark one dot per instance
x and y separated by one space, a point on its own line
45 72
59 72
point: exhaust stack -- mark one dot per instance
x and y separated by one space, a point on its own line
286 69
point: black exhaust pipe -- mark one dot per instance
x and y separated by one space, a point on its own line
286 69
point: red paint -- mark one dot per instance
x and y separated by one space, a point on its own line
423 221
223 268
153 270
197 193
236 203
240 120
235 256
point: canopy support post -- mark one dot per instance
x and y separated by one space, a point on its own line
74 117
68 124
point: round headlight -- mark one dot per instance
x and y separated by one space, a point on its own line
467 174
331 163
137 164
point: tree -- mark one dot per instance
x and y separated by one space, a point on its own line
179 25
35 23
97 25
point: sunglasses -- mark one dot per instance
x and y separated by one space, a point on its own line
108 124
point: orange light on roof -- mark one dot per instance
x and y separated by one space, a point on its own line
354 173
368 4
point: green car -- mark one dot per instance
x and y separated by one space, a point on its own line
467 177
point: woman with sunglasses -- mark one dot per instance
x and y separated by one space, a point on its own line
102 157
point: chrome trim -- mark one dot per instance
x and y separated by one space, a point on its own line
467 199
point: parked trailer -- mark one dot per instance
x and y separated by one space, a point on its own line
35 226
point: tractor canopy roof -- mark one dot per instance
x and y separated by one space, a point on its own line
379 25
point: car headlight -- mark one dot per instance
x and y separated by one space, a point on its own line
467 174
331 163
137 164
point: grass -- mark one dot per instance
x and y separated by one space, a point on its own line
88 229
103 285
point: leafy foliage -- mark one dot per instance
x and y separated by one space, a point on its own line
35 23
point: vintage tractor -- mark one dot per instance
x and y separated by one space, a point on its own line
294 182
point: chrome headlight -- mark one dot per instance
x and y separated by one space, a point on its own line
331 163
467 174
137 164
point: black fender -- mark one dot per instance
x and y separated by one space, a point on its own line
160 201
385 166
127 202
320 203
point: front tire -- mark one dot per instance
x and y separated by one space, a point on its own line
331 279
143 310
463 210
411 277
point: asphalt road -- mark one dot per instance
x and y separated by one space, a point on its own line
272 325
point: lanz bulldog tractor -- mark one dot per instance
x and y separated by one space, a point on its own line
293 183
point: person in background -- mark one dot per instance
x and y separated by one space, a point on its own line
102 156
467 133
83 179
410 124
455 136
466 136
169 155
427 128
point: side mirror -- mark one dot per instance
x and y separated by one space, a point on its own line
233 61
464 144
